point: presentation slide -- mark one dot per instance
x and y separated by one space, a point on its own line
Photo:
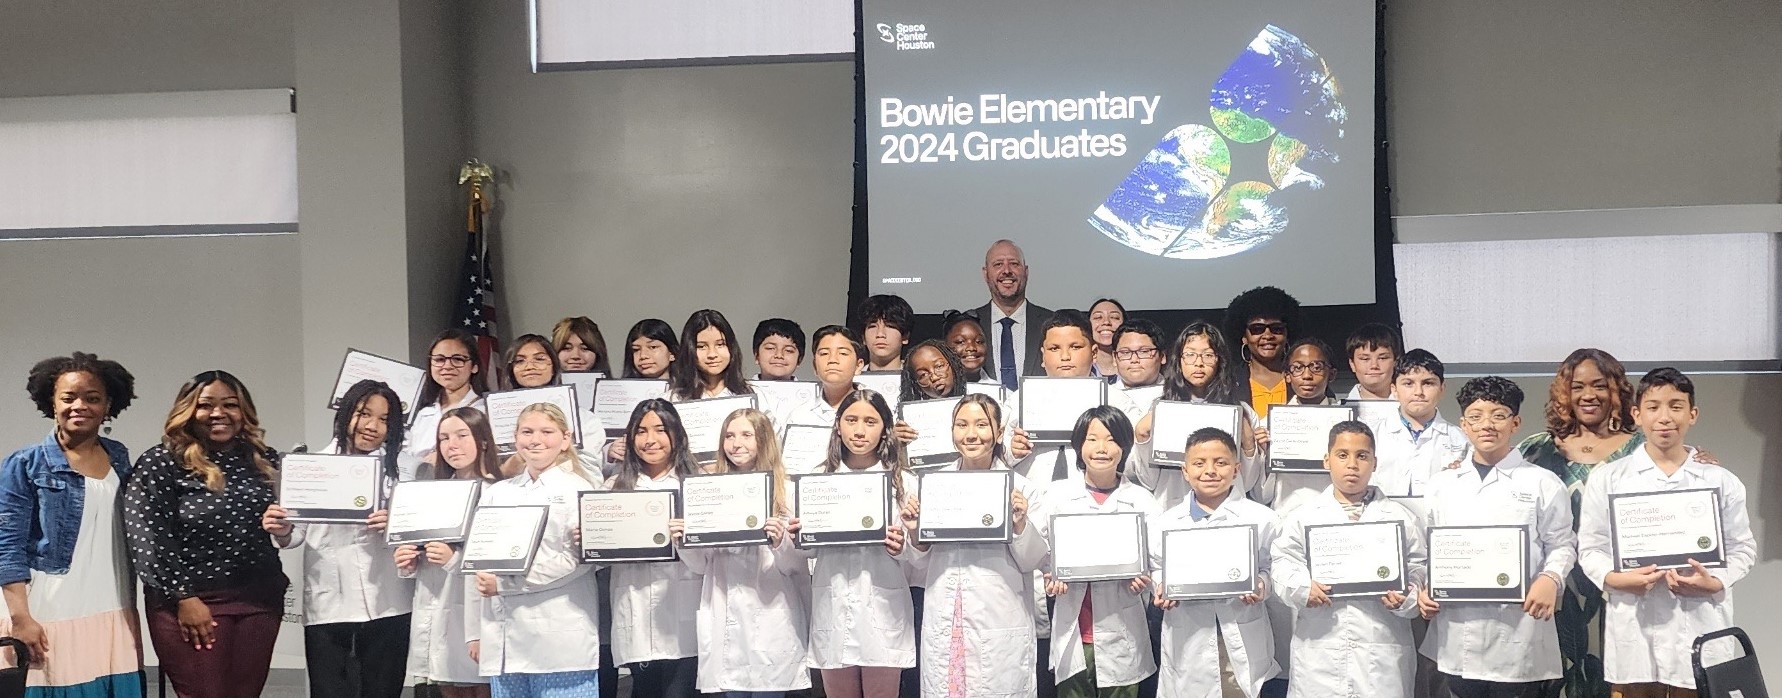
1167 154
580 34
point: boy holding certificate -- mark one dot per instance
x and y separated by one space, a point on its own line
1484 648
1230 632
1418 442
1349 643
1686 565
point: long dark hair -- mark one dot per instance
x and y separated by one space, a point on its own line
179 436
889 451
912 391
993 410
513 352
685 373
656 330
1562 419
430 389
394 424
1223 388
680 456
488 468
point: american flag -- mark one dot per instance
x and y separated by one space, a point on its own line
475 302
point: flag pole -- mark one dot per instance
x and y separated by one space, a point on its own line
478 176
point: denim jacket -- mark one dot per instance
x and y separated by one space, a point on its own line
41 502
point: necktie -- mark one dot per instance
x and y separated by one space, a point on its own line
1005 355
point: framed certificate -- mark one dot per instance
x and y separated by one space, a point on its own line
583 382
504 411
1666 529
704 422
804 447
1213 562
1371 412
1050 406
1299 435
846 508
993 390
325 488
423 511
1173 422
504 539
786 394
965 505
1363 558
1478 564
628 526
1098 547
933 422
725 509
886 383
358 365
615 398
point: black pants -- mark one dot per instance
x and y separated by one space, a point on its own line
609 672
909 684
1473 688
1042 666
668 678
367 660
1154 628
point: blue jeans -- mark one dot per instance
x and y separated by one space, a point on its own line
562 684
754 694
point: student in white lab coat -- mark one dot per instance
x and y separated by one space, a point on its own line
1653 615
836 357
1510 650
1373 350
884 324
711 364
580 346
1138 357
863 631
1200 368
1218 647
355 607
436 650
1308 383
1066 351
651 352
536 633
1348 647
655 604
531 363
933 372
455 378
753 619
1099 645
978 631
1418 442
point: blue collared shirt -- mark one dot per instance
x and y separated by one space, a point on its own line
42 498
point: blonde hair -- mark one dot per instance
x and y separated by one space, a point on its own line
767 455
189 449
569 459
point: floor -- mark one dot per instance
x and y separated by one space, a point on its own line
290 683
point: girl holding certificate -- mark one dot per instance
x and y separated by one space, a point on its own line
655 604
580 346
355 606
1200 369
752 616
531 633
1099 646
932 372
454 379
530 363
1308 373
436 653
710 368
862 619
978 628
963 334
650 350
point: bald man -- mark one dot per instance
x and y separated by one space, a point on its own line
1010 323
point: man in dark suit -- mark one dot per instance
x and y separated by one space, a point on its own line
1010 323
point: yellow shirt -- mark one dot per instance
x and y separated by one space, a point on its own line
1261 398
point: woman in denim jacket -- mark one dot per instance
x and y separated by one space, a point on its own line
63 559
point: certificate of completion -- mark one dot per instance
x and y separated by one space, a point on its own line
1371 412
406 380
804 447
1098 547
886 383
627 526
583 382
933 422
1363 558
725 509
1050 406
1298 436
1478 563
1173 422
504 411
842 508
992 390
615 398
423 511
1213 562
704 422
965 505
503 539
323 488
1667 529
785 394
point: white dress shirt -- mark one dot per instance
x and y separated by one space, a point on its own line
1018 333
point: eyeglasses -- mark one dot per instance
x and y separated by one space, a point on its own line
1316 368
1495 419
1205 358
1279 328
1130 354
454 360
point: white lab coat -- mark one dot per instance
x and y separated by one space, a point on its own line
655 604
422 435
861 613
1168 485
752 619
1355 647
547 620
1648 638
1122 645
1284 491
1192 629
986 590
1405 465
347 573
1500 642
1135 402
436 649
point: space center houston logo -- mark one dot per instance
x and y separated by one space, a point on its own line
906 37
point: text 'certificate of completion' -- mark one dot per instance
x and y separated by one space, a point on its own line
1667 529
1478 563
615 398
1362 558
725 509
627 526
704 422
324 488
505 407
842 508
1299 435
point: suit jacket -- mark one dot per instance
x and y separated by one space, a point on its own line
1036 317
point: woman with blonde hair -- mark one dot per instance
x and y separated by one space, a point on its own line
211 577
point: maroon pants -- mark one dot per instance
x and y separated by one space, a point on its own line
247 621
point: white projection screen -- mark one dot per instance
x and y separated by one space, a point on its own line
589 34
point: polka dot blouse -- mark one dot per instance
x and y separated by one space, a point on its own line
185 539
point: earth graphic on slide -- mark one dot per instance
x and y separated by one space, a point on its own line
1277 101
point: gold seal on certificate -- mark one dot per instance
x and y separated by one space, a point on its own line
1356 559
630 526
1174 422
1486 564
1666 529
1298 435
504 539
1050 406
504 411
828 505
1098 547
423 511
615 398
725 509
1209 562
402 378
954 503
325 488
933 422
704 422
